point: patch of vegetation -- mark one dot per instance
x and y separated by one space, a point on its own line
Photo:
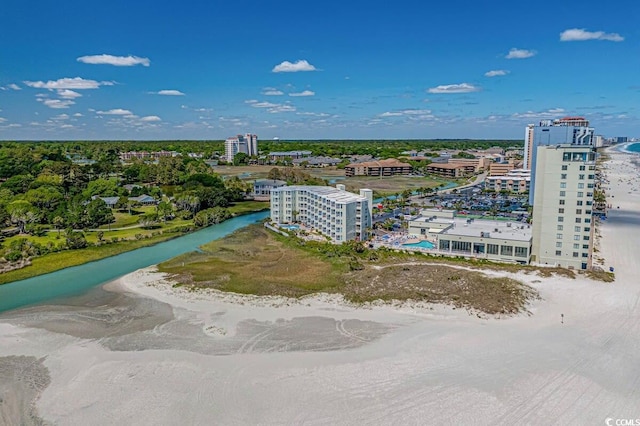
604 276
256 261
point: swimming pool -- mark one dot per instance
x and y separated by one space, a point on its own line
290 227
421 244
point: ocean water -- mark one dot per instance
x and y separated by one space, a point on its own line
634 147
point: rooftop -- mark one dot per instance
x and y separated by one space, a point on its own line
507 230
328 192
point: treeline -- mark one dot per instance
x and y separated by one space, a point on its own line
103 150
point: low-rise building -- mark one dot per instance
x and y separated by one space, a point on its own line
502 241
501 169
474 165
518 180
333 212
262 187
447 170
293 155
388 167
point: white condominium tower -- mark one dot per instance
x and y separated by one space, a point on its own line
334 212
562 210
247 144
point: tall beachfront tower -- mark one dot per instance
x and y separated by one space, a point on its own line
562 233
247 144
567 130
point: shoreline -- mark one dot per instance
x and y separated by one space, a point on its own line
24 276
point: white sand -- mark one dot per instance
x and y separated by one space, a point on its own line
436 365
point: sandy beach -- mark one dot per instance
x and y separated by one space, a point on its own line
142 352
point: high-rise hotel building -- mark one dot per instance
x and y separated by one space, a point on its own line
247 144
334 212
562 186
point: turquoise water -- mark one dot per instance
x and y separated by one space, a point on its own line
421 244
77 279
634 147
290 227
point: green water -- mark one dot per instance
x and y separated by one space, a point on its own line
78 279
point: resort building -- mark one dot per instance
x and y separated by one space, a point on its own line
474 165
288 155
247 144
262 187
562 211
333 212
518 180
388 167
567 130
501 169
447 170
502 241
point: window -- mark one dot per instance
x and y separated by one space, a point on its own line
592 176
580 194
564 167
563 184
585 246
563 176
558 253
581 186
558 236
587 229
582 168
560 210
558 244
581 177
578 220
576 229
560 227
563 193
589 202
590 185
576 246
587 220
587 212
576 254
586 238
576 238
562 202
579 203
585 254
560 218
492 249
506 250
521 251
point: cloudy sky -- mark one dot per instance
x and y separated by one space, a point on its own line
323 70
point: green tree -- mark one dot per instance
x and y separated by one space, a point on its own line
164 209
21 213
58 223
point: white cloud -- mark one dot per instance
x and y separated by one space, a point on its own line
299 65
520 53
169 93
314 114
281 108
2 120
77 83
272 91
150 118
116 111
391 114
580 34
14 86
61 117
420 113
454 88
549 113
303 93
68 94
56 103
495 73
77 114
119 61
257 104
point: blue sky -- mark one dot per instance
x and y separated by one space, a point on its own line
324 70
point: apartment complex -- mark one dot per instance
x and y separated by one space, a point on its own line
447 170
501 169
388 167
562 213
518 180
247 144
333 212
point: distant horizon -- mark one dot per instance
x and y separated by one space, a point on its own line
333 70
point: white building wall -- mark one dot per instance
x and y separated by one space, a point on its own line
562 213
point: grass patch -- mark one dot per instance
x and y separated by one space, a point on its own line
245 207
604 276
256 261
